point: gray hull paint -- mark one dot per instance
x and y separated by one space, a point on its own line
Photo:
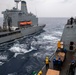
24 32
12 19
70 35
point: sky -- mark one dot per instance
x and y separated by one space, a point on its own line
45 8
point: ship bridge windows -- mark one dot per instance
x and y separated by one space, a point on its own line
20 13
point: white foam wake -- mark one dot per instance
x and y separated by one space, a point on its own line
58 33
20 49
50 38
1 63
3 57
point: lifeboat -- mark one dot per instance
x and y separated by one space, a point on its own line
23 23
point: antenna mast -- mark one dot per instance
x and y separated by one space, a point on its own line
17 1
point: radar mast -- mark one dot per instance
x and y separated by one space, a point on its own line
17 1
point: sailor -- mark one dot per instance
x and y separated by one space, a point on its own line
59 64
47 61
64 50
9 20
68 22
72 67
71 20
54 63
40 73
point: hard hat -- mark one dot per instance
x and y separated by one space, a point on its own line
40 72
47 57
73 61
58 41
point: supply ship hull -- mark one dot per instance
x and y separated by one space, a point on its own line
9 36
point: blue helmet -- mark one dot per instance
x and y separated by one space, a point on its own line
73 61
54 59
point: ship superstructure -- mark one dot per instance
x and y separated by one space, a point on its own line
18 23
17 15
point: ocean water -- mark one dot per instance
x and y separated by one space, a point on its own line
23 56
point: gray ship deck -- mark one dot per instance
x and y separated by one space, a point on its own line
65 67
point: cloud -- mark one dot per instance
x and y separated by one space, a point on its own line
45 8
67 1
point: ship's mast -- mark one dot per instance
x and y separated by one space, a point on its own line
17 1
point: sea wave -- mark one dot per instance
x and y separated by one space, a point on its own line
43 44
20 49
50 38
1 63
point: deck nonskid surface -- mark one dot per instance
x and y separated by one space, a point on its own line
66 64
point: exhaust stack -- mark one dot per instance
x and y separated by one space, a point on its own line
24 7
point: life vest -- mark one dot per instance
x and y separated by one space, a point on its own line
47 61
59 44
